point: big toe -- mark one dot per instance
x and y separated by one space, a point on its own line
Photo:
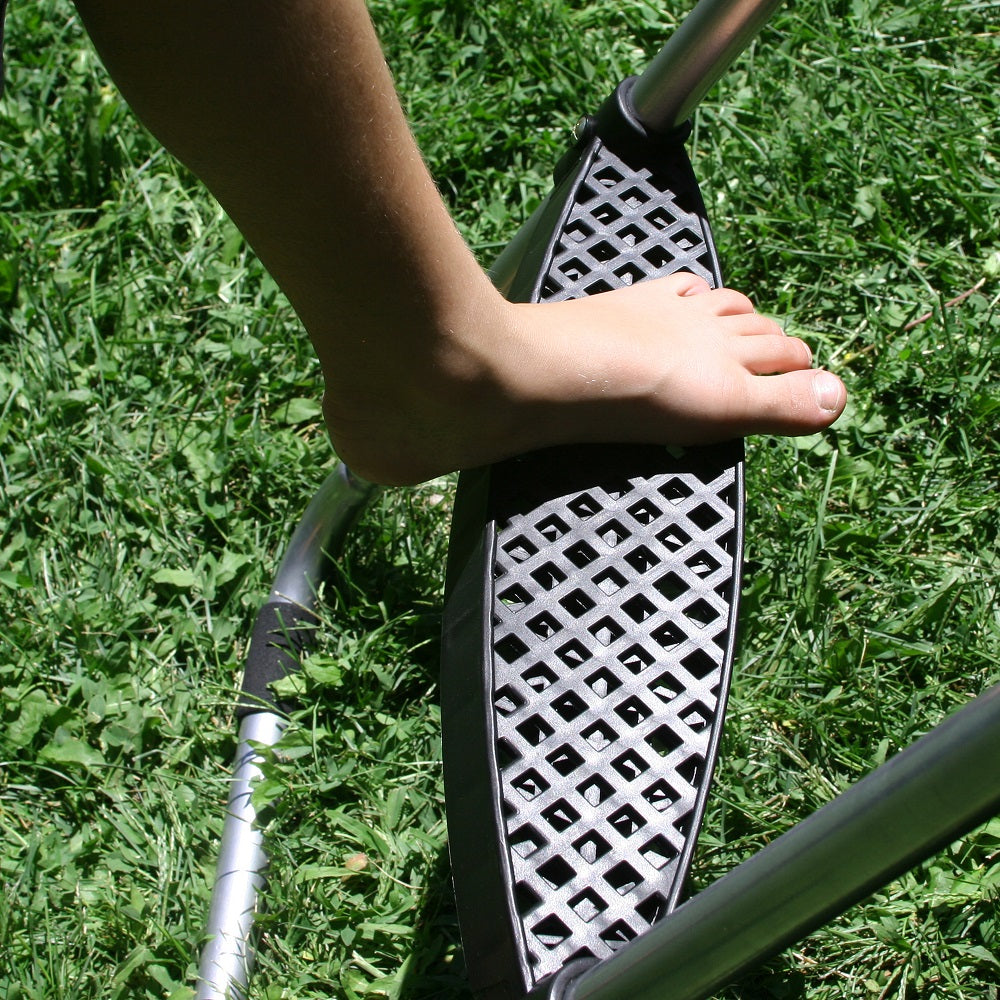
800 402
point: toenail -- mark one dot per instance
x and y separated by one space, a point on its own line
827 390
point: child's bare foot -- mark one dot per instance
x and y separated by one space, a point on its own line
294 124
668 361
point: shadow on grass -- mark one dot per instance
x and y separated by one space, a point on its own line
436 968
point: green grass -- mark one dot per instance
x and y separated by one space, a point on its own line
160 434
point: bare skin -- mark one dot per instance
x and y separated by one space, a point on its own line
288 113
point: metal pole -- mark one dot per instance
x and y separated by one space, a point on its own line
320 535
944 785
667 92
227 957
695 57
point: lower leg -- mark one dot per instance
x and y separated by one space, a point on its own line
287 112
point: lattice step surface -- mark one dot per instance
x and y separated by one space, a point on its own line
611 626
589 632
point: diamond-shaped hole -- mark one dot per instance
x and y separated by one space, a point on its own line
569 705
573 653
606 214
629 273
639 608
551 931
507 754
526 898
668 635
530 784
557 872
560 815
617 935
580 554
659 852
600 735
660 795
519 549
574 269
623 878
613 533
602 682
632 712
671 586
534 730
631 234
666 687
552 528
675 490
606 631
686 239
526 840
577 603
591 846
696 717
664 740
652 908
603 251
641 559
548 576
538 677
635 197
595 790
702 564
630 765
673 538
626 821
545 625
705 516
578 231
510 648
699 664
550 287
659 257
682 824
565 760
597 288
645 511
608 177
507 700
609 581
661 217
701 613
584 506
587 905
515 598
636 658
690 770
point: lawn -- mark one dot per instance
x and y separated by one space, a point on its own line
160 433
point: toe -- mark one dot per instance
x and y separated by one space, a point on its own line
797 402
685 283
771 355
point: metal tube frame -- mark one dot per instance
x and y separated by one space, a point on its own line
695 57
227 957
943 786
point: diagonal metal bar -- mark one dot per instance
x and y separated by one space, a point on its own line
695 57
284 627
943 786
